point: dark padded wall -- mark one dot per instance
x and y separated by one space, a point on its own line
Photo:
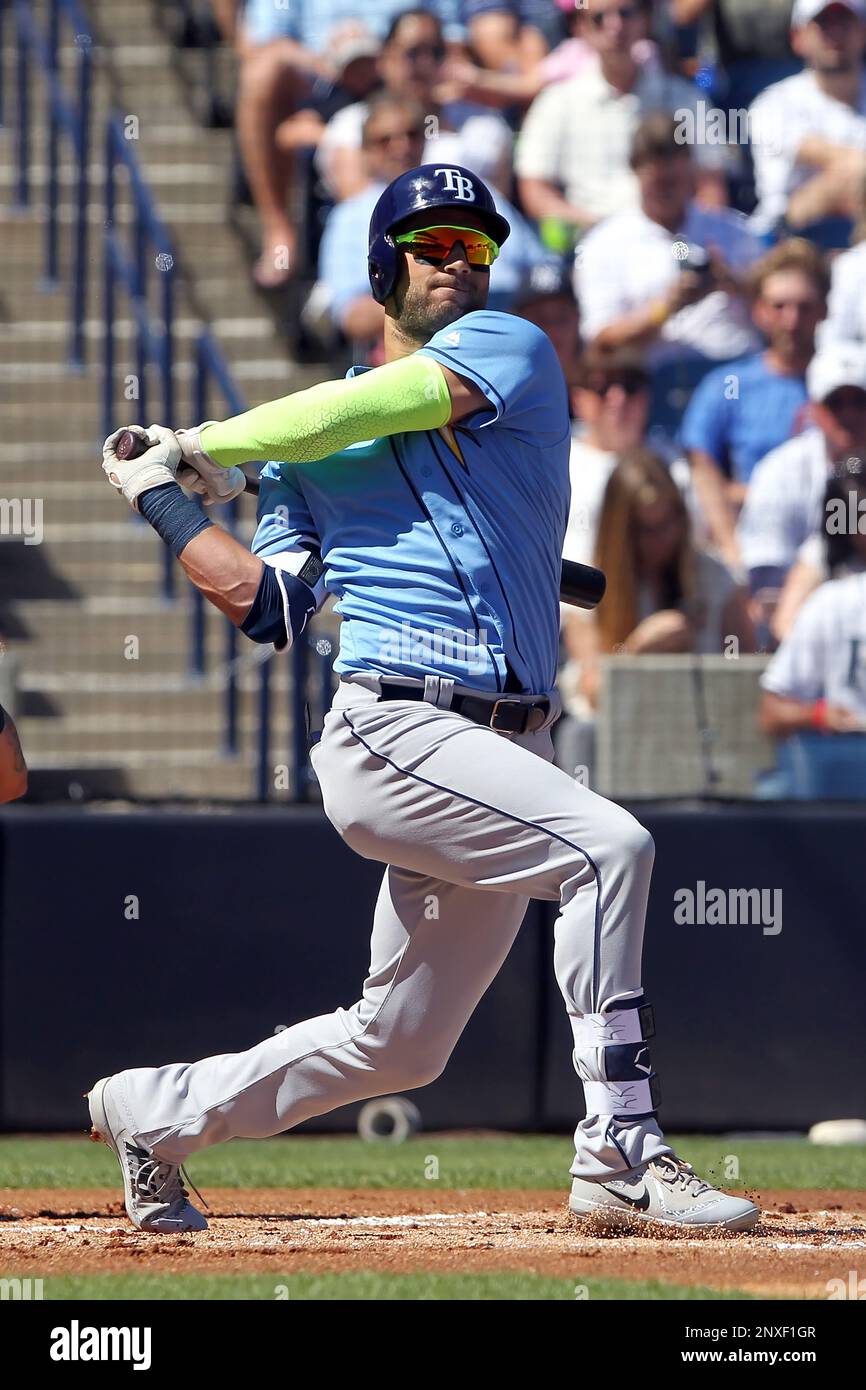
254 919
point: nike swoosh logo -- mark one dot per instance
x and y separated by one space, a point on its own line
639 1203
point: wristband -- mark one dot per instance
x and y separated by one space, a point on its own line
659 313
173 516
818 715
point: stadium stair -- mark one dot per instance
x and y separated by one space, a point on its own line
93 722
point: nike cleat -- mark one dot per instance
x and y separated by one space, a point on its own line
665 1192
156 1199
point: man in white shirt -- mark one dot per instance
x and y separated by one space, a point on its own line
667 278
785 500
808 133
817 679
572 157
846 305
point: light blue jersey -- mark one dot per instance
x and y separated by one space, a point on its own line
444 547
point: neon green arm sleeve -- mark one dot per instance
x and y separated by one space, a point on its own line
409 394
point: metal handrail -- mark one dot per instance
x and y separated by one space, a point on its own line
72 118
130 269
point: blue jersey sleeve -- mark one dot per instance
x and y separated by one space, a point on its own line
705 422
516 367
284 520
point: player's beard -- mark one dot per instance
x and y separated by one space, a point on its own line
420 317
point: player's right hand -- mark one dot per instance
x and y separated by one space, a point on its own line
156 466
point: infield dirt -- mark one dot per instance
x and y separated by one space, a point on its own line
805 1237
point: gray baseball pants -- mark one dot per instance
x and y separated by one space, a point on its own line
471 824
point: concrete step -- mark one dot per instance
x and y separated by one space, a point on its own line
208 778
93 740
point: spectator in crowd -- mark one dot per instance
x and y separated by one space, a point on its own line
667 277
846 305
283 51
354 57
817 678
664 594
610 399
837 550
510 35
573 153
393 141
750 42
510 85
412 66
739 414
808 132
546 298
13 769
785 499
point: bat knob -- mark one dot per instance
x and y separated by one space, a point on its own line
130 446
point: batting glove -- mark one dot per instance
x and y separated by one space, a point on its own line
155 467
199 473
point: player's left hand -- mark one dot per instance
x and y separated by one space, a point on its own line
200 474
156 466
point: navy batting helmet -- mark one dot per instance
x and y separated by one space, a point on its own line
428 186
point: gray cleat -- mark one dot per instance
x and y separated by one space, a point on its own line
156 1199
668 1192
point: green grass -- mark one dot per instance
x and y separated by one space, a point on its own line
480 1161
369 1287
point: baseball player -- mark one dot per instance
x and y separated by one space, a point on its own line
430 494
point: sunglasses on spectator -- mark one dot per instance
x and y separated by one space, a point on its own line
632 383
625 13
436 51
415 132
436 245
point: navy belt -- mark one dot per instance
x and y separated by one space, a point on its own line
497 712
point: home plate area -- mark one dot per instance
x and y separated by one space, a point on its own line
806 1238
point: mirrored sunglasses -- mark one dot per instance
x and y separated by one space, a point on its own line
436 245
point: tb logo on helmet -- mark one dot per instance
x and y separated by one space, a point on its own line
458 184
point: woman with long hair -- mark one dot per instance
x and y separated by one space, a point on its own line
664 594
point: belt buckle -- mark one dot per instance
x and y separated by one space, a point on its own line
509 728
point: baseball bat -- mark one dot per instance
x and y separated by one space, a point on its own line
580 585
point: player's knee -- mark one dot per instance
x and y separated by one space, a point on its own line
403 1064
634 842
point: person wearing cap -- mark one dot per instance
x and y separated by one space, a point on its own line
353 55
785 501
808 132
412 65
546 298
738 414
